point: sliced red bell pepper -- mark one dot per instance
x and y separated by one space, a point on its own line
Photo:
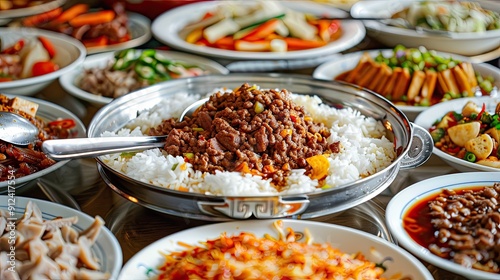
44 67
47 44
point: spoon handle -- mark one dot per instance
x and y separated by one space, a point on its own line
63 149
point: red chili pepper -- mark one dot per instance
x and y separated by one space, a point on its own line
454 150
483 109
14 49
64 123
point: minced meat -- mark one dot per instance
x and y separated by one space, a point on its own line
247 129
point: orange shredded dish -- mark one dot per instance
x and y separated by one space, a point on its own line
246 256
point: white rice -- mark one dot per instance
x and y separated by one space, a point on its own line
364 151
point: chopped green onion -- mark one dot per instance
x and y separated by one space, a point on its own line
470 157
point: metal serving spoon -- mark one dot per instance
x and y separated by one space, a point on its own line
62 149
17 130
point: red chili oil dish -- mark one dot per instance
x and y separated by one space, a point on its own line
461 225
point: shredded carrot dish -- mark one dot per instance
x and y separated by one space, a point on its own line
246 256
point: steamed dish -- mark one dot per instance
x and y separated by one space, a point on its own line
48 249
249 141
472 134
20 161
451 16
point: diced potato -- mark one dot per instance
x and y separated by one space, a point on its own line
470 108
481 146
494 133
461 133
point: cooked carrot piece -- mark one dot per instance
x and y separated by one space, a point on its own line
97 42
301 44
72 12
47 44
93 18
42 18
263 30
226 43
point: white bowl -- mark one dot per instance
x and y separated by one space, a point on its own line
70 54
70 80
106 249
436 112
404 200
342 63
47 111
145 263
470 43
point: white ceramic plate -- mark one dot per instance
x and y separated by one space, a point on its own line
405 199
29 11
471 43
70 54
143 265
69 81
436 112
342 63
140 31
47 111
106 249
166 29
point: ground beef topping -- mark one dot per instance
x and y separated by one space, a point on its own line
260 130
467 227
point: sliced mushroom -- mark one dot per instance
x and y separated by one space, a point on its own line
461 133
481 146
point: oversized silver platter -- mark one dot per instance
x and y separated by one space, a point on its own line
413 143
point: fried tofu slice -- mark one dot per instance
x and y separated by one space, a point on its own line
24 105
417 81
461 133
429 85
462 81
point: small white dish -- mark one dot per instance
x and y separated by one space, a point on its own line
106 249
47 111
166 29
70 80
144 264
427 118
470 43
140 31
342 63
405 199
69 54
